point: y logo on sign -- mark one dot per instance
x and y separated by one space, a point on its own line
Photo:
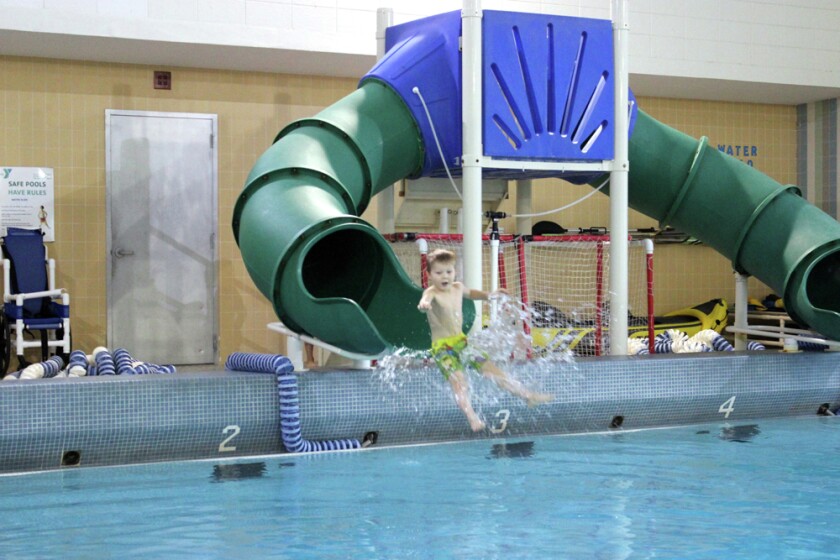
6 172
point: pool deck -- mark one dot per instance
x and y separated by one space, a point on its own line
111 420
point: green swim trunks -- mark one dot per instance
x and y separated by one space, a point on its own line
447 355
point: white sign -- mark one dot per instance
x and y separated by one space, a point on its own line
27 197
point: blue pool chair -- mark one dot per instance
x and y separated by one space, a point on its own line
31 302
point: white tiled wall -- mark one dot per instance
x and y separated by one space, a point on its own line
129 9
262 14
770 40
221 11
774 41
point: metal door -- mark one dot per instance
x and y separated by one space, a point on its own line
161 235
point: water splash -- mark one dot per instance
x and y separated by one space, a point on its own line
504 340
396 369
506 337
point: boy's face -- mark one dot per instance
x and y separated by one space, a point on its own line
442 275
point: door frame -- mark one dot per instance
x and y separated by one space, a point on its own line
214 292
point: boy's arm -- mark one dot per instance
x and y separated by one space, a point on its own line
481 295
427 299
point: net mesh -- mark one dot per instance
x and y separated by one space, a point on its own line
562 281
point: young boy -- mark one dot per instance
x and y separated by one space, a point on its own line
441 302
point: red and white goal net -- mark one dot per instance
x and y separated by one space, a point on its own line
563 282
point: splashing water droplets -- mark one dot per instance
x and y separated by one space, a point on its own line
393 370
503 339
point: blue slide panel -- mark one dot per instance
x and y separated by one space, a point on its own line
548 87
548 90
425 54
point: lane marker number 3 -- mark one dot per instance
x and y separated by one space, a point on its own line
503 415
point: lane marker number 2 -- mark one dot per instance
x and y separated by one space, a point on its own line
233 430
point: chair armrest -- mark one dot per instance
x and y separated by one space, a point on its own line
32 295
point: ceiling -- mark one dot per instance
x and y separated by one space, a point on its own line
191 55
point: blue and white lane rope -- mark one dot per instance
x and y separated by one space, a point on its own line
77 365
40 370
662 343
53 366
127 365
720 344
123 361
287 391
104 362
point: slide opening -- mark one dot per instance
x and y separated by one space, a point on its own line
344 264
823 283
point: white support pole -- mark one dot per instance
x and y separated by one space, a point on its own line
443 226
494 264
524 205
494 275
65 342
471 108
618 186
742 296
294 351
385 199
384 20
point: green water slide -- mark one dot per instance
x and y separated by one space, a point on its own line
328 273
331 275
766 229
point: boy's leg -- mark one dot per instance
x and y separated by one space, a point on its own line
491 370
462 398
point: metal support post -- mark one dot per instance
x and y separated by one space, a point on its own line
619 243
742 296
471 108
385 199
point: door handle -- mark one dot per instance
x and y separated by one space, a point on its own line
118 253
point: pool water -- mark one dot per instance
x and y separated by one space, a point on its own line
764 489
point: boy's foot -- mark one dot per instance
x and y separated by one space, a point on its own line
535 399
476 424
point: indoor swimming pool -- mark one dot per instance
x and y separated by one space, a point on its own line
755 489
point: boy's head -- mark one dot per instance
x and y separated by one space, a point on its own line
441 256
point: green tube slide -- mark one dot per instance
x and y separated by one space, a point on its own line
328 273
331 275
766 229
